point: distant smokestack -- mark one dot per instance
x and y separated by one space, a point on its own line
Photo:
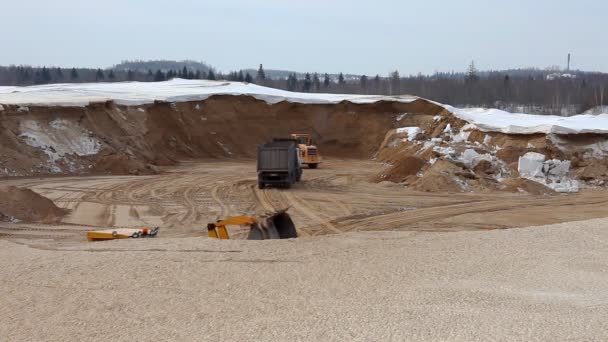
568 68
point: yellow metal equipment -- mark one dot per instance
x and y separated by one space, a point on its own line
277 225
308 152
121 233
218 230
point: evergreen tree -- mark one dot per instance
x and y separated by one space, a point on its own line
326 81
472 76
248 78
197 75
99 76
363 81
316 82
45 76
241 77
170 74
292 82
159 76
211 75
184 73
377 84
307 83
74 74
150 75
341 79
111 76
261 76
130 75
190 75
395 83
23 76
59 74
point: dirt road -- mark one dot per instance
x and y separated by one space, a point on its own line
335 198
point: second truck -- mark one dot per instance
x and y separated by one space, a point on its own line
308 152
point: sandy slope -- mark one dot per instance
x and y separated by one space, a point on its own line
542 283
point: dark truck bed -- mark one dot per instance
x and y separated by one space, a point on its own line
278 163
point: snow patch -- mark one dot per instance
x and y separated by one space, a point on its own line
401 116
471 158
494 120
553 173
59 139
412 132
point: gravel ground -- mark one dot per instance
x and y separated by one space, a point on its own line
542 283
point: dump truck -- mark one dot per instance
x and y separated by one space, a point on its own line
308 151
279 163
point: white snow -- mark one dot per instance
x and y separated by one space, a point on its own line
175 90
59 139
494 120
471 158
552 173
448 129
530 165
401 116
179 90
412 132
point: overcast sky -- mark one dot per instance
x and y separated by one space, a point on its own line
360 37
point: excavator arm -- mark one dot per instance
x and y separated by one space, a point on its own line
218 230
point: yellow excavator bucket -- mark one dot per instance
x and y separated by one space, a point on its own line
277 225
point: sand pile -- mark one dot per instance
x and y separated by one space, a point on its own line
110 138
448 154
19 204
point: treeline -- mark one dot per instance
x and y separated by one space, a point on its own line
541 92
27 75
532 91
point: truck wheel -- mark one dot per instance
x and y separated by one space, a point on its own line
261 185
312 166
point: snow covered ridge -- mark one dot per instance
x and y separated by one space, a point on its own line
179 90
176 90
494 120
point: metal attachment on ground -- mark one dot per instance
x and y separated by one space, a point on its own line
122 233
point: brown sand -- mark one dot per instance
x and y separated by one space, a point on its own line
27 206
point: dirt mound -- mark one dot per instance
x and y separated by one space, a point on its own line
122 164
526 185
450 155
401 170
440 177
27 206
99 138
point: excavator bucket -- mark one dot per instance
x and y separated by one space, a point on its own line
276 226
